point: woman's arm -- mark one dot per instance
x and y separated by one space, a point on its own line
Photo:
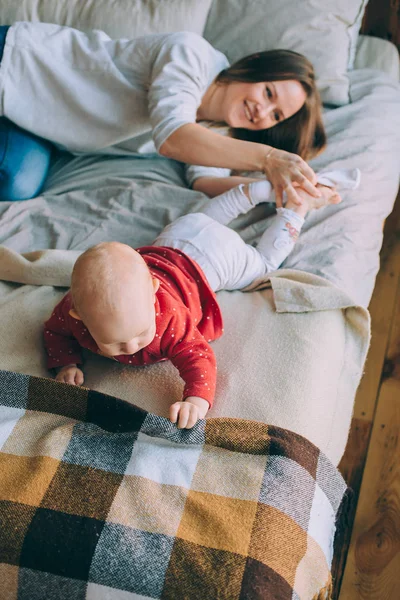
195 144
214 186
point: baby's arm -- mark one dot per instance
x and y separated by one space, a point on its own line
196 363
62 349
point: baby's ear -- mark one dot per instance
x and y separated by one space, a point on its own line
156 284
74 314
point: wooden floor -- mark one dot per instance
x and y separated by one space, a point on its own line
367 557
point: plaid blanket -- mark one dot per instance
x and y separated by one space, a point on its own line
102 500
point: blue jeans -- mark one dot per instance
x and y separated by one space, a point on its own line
24 157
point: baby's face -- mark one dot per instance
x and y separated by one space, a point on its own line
130 327
129 340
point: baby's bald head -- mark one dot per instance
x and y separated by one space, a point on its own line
112 291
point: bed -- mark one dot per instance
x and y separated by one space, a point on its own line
289 362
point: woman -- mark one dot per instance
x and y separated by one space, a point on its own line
302 133
87 93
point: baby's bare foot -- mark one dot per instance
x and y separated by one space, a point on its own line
329 196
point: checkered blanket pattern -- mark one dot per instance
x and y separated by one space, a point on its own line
102 500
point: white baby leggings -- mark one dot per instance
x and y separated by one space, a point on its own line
226 260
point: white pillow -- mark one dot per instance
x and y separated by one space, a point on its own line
119 18
324 31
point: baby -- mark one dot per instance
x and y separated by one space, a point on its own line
158 302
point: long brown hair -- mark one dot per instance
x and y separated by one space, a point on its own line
303 133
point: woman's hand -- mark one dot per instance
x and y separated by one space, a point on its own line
197 145
70 374
186 414
284 169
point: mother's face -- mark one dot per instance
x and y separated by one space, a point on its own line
261 105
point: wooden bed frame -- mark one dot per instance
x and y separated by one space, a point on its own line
366 563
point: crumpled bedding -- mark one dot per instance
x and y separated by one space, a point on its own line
296 368
88 198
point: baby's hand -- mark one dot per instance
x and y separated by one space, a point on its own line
70 374
186 414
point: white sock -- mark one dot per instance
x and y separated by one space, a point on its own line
229 205
278 240
342 179
260 191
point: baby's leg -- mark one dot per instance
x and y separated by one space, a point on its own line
241 199
279 239
237 201
226 260
224 257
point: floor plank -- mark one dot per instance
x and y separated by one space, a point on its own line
373 561
382 308
352 468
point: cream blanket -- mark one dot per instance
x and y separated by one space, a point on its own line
291 356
